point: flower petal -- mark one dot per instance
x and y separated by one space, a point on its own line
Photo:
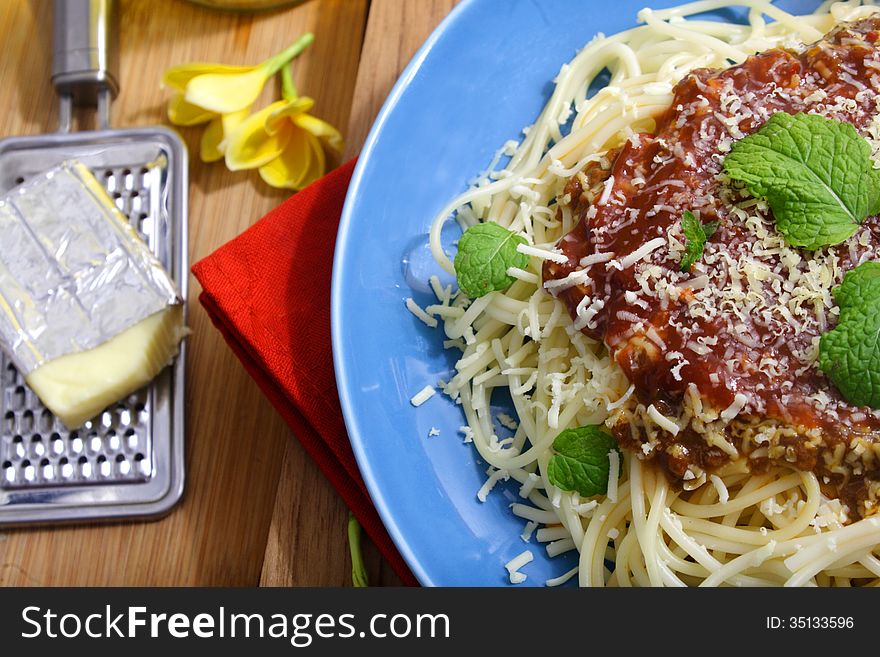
318 165
288 169
226 92
177 77
183 113
210 149
321 129
250 146
290 108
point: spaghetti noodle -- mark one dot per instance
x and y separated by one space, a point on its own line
731 525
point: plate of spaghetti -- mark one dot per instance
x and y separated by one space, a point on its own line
606 296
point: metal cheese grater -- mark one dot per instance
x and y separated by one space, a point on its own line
128 461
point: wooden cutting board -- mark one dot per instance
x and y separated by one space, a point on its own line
300 551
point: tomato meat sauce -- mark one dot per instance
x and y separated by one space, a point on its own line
736 336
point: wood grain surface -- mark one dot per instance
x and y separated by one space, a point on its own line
238 448
395 30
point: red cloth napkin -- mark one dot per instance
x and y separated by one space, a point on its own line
268 292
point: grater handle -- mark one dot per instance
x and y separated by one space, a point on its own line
85 57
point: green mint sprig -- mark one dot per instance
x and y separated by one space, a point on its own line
485 252
850 353
816 174
581 462
696 236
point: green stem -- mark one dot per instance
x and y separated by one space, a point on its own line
274 64
358 571
288 88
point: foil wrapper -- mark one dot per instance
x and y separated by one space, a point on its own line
73 272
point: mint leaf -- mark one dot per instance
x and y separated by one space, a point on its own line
696 235
850 354
816 174
485 251
581 461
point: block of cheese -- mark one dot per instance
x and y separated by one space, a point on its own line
80 385
87 313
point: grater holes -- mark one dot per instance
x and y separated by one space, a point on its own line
27 421
112 441
46 420
37 448
94 443
19 180
105 469
46 470
142 464
144 225
18 398
65 468
10 376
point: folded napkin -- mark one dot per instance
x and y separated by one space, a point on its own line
268 292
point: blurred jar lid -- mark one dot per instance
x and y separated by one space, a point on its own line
247 5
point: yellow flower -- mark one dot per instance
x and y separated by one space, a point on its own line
213 144
283 141
220 95
220 89
182 112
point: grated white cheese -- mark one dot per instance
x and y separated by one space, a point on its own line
723 494
468 434
623 399
508 422
516 563
416 310
606 191
531 513
577 277
544 254
423 395
493 479
529 485
562 579
528 530
613 474
739 403
644 250
596 258
586 508
523 275
662 421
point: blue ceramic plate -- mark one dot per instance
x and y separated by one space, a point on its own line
481 76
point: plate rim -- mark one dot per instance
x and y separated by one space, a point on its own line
336 324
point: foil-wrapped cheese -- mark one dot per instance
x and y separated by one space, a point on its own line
87 313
